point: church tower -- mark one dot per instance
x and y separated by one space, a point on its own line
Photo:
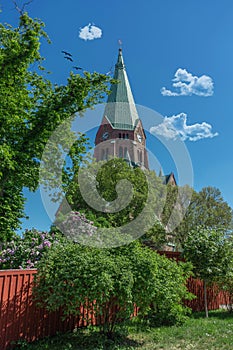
121 133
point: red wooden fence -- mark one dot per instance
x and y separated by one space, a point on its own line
21 319
215 298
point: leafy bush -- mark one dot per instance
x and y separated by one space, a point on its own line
71 275
167 307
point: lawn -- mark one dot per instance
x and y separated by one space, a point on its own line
197 333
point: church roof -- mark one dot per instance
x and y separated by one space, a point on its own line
166 179
120 109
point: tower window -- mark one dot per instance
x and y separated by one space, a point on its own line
120 152
125 152
119 135
141 156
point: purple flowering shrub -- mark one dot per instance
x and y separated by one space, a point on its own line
25 252
77 227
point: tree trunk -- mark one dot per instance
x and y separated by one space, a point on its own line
205 300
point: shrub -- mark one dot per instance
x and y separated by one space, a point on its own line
71 275
171 291
76 226
159 286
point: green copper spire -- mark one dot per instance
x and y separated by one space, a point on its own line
120 109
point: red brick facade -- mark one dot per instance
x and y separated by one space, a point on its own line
120 143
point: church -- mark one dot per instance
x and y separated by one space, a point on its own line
121 132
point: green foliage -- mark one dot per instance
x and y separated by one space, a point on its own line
31 109
71 275
206 209
167 307
155 237
107 177
171 199
100 183
225 280
208 250
225 284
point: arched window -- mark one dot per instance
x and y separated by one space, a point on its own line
140 156
123 136
127 136
119 135
125 153
120 152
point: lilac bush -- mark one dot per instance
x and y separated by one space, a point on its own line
77 227
25 252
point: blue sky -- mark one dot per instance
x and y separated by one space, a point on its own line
179 59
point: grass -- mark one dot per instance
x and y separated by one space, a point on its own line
199 333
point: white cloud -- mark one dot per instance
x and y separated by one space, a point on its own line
90 32
186 84
176 127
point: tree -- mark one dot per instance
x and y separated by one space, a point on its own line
31 109
174 211
206 209
103 193
207 250
225 280
105 176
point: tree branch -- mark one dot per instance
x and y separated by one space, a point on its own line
21 10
